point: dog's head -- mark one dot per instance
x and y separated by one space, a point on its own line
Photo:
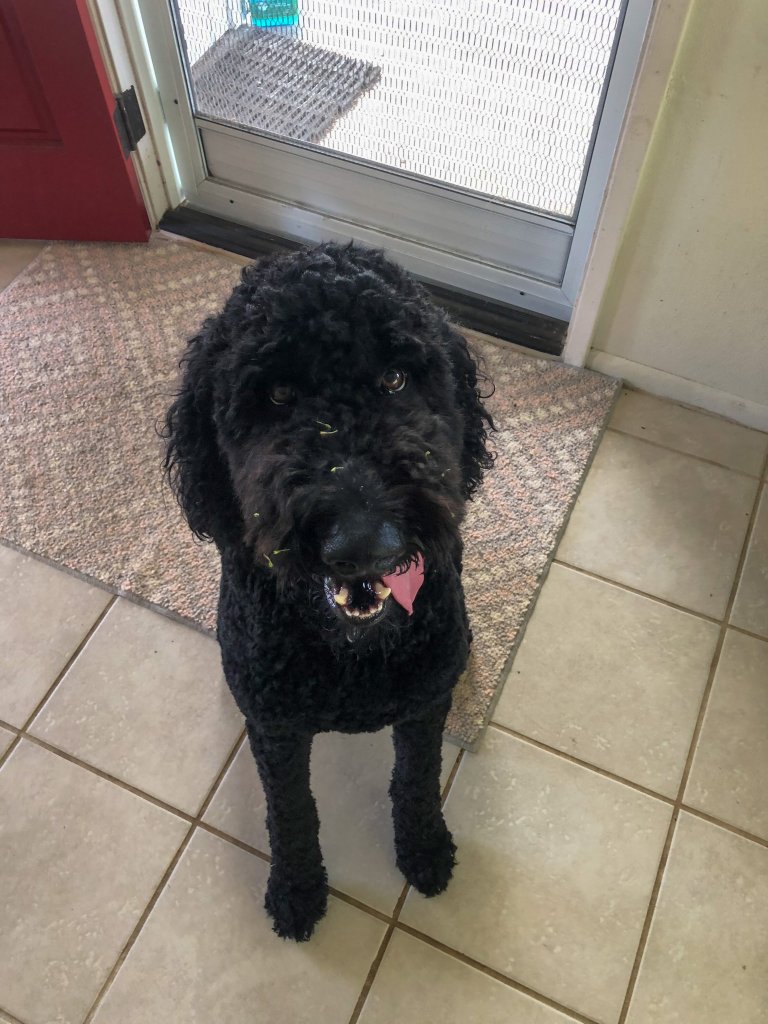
329 420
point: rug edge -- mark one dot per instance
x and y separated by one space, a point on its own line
9 288
473 743
109 588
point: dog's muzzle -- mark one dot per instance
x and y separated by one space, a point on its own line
364 600
362 553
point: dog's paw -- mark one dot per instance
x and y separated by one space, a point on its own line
427 861
295 904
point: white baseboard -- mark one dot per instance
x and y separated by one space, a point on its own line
681 389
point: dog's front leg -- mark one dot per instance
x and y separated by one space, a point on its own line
424 846
297 891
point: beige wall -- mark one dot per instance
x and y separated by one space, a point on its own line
685 312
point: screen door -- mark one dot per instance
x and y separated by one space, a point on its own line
470 138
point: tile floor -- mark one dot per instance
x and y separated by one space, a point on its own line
612 828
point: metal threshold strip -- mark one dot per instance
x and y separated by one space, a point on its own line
497 319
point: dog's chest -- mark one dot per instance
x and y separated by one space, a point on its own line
280 669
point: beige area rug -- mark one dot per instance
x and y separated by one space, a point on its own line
90 337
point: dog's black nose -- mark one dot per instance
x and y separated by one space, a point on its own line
363 547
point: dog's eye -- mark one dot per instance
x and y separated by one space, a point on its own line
281 394
393 380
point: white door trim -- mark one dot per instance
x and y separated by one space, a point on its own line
123 50
662 40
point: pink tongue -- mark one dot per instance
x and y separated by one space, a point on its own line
406 585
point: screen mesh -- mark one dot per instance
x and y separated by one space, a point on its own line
494 96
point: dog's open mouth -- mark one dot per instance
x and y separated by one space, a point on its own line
359 602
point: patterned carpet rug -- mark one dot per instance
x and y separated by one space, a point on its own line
90 337
268 81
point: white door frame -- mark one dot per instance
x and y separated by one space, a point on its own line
662 41
172 170
126 59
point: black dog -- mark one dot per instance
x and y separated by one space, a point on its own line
327 435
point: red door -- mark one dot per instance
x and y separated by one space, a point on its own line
63 173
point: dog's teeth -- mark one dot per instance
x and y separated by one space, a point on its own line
342 597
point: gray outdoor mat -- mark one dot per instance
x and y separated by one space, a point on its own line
269 81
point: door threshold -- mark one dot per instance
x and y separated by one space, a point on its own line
499 320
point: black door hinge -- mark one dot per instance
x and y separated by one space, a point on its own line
128 120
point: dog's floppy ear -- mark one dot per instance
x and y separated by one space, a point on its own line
476 457
195 466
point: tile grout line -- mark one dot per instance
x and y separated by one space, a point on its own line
671 801
69 663
635 590
733 829
518 986
365 908
373 970
666 849
122 955
376 963
647 920
748 632
239 843
149 907
11 1017
572 759
21 732
652 903
451 776
654 597
12 746
338 894
699 458
100 773
218 779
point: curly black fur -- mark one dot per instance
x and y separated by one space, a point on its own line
271 483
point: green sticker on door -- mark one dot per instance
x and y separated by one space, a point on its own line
272 13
